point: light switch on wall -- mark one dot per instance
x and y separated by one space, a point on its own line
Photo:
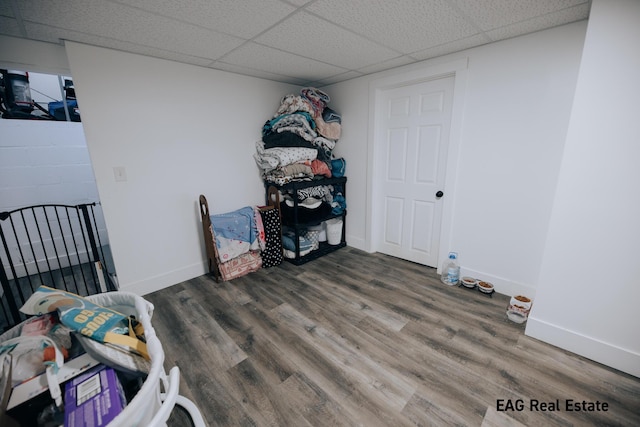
120 173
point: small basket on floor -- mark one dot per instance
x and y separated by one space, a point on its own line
334 231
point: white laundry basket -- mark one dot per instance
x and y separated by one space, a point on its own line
152 405
155 400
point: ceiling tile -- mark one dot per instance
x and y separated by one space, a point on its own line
124 24
307 35
447 48
337 78
275 61
292 41
53 35
414 26
246 18
385 65
258 73
540 23
491 14
297 3
9 27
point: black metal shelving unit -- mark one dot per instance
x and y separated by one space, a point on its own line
298 226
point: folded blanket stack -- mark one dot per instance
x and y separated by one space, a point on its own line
298 141
239 239
245 240
238 232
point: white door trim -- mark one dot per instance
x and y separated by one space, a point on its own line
458 69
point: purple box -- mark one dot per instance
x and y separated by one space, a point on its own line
94 398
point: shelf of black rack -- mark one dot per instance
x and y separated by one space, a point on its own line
324 247
300 184
308 224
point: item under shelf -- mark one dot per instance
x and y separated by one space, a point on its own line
323 250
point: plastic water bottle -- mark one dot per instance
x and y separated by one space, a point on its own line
451 270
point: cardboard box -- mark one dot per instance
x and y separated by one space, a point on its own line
38 385
94 398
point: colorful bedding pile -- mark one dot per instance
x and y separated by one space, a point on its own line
297 145
298 142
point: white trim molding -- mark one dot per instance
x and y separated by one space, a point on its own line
589 347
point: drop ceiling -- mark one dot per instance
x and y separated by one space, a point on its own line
301 42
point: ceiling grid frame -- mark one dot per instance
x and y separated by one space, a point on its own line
309 43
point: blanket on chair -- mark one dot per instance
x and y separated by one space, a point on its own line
238 232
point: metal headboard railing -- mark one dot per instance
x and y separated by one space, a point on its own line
53 245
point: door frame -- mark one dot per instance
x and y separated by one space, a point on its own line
457 69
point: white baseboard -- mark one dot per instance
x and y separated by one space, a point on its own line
356 242
161 281
501 285
615 357
171 278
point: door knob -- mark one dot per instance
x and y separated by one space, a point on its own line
439 194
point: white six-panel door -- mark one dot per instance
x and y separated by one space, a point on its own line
411 154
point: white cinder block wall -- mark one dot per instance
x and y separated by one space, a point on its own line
44 162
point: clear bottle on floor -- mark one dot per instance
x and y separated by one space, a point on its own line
451 270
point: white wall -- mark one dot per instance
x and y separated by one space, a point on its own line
44 162
178 131
588 294
517 101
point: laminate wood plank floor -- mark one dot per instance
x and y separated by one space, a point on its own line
358 339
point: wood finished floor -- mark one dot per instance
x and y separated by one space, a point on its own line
357 339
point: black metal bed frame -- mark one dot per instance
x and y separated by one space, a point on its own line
54 245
